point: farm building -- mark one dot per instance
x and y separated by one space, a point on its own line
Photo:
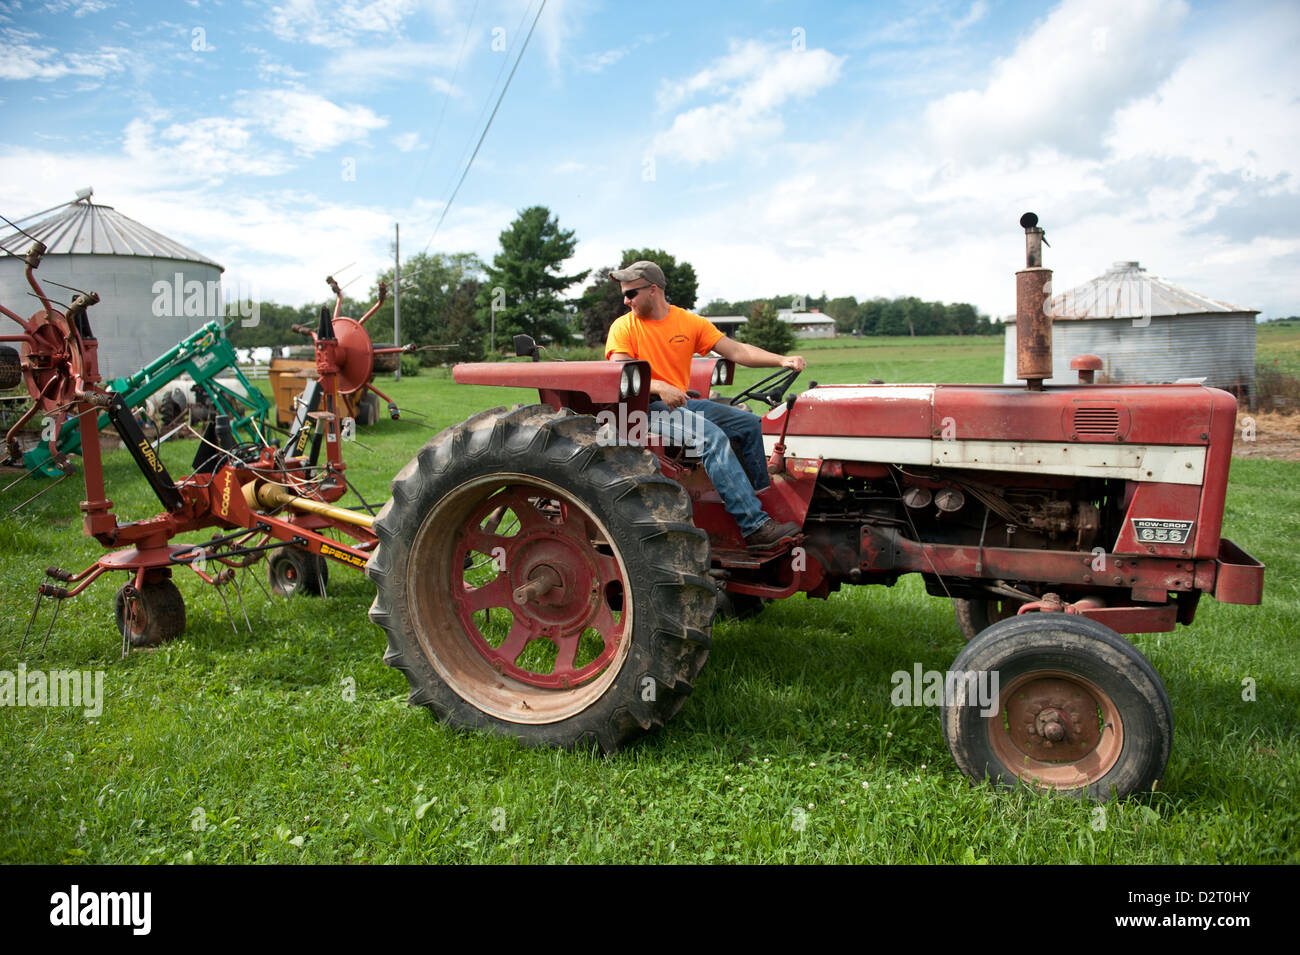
810 324
1147 330
153 291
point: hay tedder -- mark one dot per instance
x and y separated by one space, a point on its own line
552 572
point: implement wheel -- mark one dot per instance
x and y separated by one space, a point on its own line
540 583
151 615
292 571
1078 709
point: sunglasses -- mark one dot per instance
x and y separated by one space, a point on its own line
632 292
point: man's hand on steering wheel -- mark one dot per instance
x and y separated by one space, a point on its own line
772 389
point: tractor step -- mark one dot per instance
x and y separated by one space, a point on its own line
742 558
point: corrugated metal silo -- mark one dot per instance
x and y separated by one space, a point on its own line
153 290
1147 330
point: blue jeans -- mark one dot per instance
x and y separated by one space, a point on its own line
705 428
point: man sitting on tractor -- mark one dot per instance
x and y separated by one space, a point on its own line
667 336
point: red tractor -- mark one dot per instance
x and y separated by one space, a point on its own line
552 572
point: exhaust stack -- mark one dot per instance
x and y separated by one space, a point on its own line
1033 322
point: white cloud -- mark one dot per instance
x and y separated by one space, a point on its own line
311 122
211 148
406 142
79 8
598 62
1236 103
335 24
1062 84
369 67
977 12
278 244
756 82
24 61
559 24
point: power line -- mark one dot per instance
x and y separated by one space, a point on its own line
487 100
433 142
487 127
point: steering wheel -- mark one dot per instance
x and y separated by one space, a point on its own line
771 389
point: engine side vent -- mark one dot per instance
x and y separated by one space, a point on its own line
1096 421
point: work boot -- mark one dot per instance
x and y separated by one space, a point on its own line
770 534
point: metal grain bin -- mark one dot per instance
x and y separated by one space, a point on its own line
153 290
1148 330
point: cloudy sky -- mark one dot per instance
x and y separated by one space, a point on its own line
864 149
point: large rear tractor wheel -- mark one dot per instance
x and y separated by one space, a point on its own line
976 616
539 582
1076 709
151 615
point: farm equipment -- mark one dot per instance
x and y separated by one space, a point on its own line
552 572
205 356
268 500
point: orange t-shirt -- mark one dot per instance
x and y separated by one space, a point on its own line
667 344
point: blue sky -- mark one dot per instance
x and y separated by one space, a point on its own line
864 149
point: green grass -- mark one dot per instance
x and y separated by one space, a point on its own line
1278 347
295 743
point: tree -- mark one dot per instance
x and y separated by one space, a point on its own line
602 302
962 318
844 311
435 306
524 281
683 285
598 306
766 330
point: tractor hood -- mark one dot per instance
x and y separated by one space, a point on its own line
1108 414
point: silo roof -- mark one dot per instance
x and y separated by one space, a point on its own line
1126 290
86 228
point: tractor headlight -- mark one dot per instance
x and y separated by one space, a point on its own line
722 372
629 385
716 377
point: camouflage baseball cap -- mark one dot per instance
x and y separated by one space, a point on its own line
641 270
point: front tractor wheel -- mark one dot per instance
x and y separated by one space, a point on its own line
1075 709
538 582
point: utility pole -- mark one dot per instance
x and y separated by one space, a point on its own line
397 295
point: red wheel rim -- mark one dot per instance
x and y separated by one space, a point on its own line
573 586
1057 730
541 658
